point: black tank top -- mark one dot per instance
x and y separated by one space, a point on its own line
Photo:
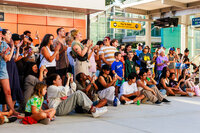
100 86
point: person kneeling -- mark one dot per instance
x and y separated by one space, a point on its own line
129 92
63 104
34 105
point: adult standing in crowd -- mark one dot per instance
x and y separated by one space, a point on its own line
62 63
114 43
48 55
161 61
100 44
16 91
80 53
171 58
138 52
69 41
128 48
145 58
107 52
6 55
178 62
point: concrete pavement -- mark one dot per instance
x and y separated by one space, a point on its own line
182 115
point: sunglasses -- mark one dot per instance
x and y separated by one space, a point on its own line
105 39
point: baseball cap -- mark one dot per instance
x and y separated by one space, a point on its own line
140 44
171 49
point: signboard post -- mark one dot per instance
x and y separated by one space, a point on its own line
125 25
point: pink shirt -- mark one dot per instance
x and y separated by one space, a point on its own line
93 65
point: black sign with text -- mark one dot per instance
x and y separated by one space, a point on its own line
1 16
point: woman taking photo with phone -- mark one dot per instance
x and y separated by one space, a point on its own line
49 55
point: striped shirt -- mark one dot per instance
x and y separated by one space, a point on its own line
108 52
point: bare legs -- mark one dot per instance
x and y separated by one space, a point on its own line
6 88
44 114
123 98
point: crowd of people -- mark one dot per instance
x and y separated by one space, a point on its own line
67 72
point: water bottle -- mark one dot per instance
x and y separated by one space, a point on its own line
138 102
115 102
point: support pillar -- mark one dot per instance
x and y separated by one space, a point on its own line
184 32
148 31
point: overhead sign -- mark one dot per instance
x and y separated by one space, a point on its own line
1 16
125 25
196 21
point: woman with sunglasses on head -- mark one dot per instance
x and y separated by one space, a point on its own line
145 58
48 55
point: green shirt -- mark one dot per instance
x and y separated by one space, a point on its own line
34 101
129 67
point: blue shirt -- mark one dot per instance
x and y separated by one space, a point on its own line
138 52
118 67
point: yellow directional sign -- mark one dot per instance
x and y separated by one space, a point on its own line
125 25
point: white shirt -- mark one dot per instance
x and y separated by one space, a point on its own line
71 60
126 89
54 93
45 62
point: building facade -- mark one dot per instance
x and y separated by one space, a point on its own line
46 16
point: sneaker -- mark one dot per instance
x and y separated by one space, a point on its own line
190 94
129 102
45 121
53 119
118 102
158 103
99 112
166 101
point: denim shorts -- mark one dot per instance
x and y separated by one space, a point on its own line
178 65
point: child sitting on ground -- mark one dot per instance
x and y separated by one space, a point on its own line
129 92
34 105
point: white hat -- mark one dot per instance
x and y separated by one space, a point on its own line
160 51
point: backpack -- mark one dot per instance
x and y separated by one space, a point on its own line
84 58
